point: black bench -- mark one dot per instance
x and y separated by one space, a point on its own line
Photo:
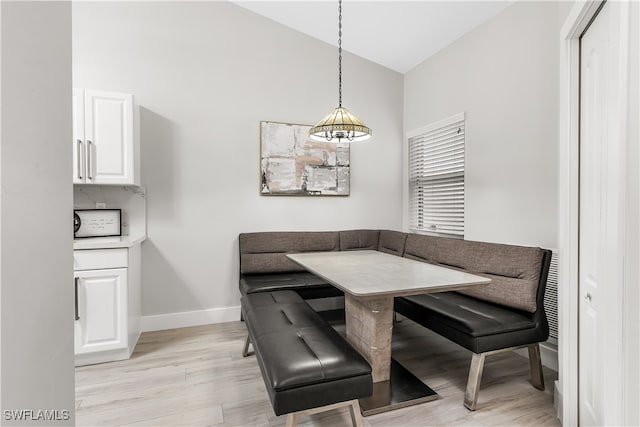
306 365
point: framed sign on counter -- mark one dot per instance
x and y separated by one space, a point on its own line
97 223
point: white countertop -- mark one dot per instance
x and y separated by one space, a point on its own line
108 242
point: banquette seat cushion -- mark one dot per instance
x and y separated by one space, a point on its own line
308 285
477 325
304 361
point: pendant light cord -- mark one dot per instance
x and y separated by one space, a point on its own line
340 53
340 125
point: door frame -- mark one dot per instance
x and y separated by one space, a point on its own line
567 387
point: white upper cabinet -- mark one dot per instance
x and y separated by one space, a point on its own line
105 138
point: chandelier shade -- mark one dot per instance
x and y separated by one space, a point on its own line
340 125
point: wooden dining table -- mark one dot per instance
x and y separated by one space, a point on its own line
370 281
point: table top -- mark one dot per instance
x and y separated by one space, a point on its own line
373 273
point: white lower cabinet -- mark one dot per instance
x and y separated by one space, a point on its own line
107 304
101 310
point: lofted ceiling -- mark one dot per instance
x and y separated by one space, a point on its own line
396 34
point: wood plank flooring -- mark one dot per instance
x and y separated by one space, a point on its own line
198 377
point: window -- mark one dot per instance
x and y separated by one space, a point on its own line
436 177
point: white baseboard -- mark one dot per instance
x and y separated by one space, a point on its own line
557 400
548 355
159 322
102 357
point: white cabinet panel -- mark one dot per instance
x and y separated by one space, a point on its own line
109 137
105 139
101 313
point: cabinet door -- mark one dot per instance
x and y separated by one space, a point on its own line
79 160
109 137
101 313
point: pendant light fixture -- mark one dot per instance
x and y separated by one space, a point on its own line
340 125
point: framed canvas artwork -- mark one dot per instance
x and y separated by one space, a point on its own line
293 165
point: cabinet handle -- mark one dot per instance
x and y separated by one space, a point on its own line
90 168
76 279
79 157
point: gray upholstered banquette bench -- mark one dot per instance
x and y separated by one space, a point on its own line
502 316
507 314
307 366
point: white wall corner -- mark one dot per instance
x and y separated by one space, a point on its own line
159 322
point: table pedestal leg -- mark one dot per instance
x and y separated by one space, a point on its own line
369 322
369 329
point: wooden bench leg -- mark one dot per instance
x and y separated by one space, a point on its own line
354 407
473 383
292 419
356 415
536 366
245 349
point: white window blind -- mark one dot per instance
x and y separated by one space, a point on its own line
436 177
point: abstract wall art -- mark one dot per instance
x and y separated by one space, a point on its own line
292 164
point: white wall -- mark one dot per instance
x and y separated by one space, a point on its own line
36 274
504 75
205 75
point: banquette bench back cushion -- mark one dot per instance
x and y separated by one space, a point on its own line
514 270
392 242
359 240
265 252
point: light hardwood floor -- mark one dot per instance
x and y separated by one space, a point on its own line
197 377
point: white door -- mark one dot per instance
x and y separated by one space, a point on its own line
601 239
79 160
109 137
101 310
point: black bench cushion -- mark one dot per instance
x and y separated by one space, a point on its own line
306 284
477 325
305 362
